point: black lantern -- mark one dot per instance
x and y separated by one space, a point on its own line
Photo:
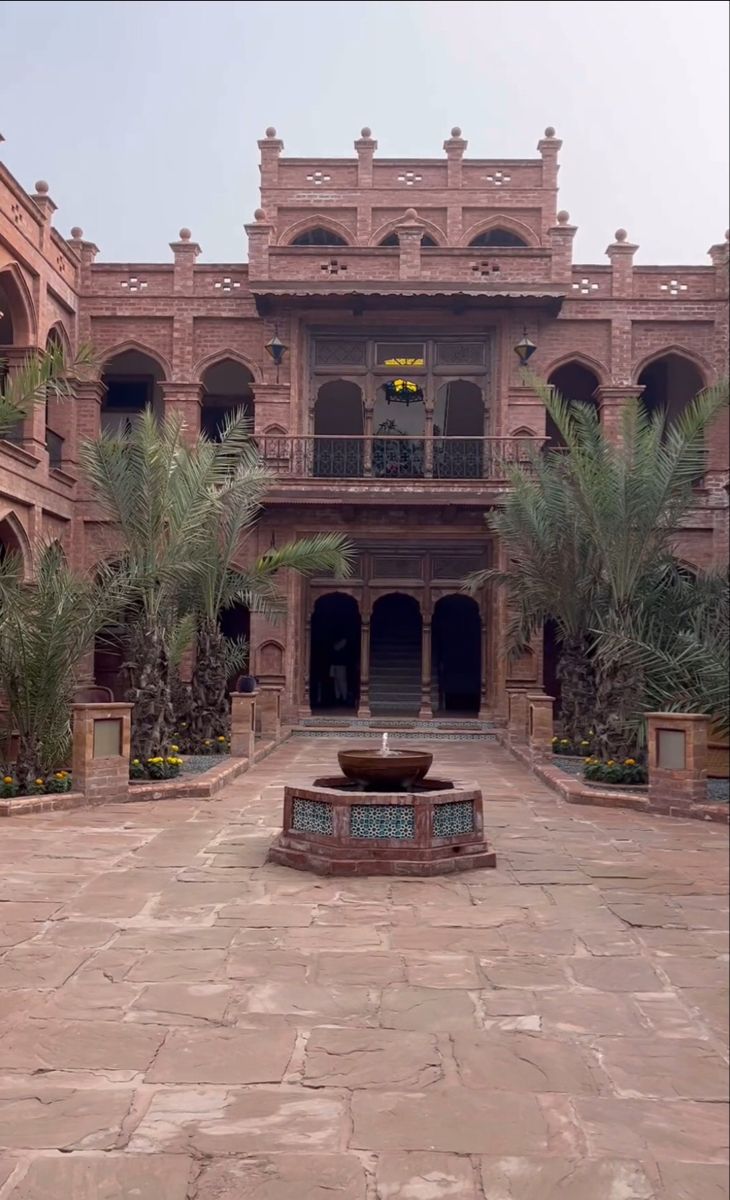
525 349
403 391
276 349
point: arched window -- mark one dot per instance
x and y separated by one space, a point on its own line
132 381
226 388
670 383
319 236
498 237
392 240
576 384
338 426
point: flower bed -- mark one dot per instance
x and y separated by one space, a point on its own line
187 744
628 773
573 749
50 785
159 766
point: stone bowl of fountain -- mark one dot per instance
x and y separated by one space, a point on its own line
382 816
384 769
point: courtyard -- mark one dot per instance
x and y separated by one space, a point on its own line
182 1021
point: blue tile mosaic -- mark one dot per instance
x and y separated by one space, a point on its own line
382 821
451 820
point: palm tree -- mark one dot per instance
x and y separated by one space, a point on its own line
44 374
180 512
588 533
46 628
549 575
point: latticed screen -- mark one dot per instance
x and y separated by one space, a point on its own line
382 821
312 816
450 820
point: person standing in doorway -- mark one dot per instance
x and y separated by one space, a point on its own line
338 670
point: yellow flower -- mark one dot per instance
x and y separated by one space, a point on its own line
588 760
7 779
629 762
555 739
40 782
174 749
206 742
135 762
585 742
565 741
60 774
610 763
220 739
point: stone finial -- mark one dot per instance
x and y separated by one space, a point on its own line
550 132
41 188
456 132
77 233
621 235
184 234
270 131
366 132
410 215
563 217
259 215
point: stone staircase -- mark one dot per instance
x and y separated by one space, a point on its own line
395 672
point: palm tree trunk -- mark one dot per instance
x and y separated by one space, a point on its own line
576 672
28 762
618 701
149 690
209 686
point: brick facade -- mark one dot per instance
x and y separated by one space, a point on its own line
168 325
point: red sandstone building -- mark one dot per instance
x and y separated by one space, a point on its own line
369 270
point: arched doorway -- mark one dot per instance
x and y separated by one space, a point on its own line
334 654
132 381
456 632
338 428
235 625
670 383
576 384
11 543
458 429
226 388
395 655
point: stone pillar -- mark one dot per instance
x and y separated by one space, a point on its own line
31 431
183 400
269 710
621 253
259 240
365 147
678 757
719 257
540 722
426 710
516 715
455 147
363 708
186 251
484 676
548 146
243 724
611 400
561 242
101 741
410 232
47 207
271 147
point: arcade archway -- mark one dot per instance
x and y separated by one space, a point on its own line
395 655
456 632
334 654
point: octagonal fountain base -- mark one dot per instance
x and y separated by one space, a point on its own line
331 827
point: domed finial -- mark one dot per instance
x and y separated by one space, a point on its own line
259 215
550 132
185 235
77 233
41 187
366 132
563 216
270 131
410 214
621 235
456 132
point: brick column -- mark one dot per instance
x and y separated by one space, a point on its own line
455 147
269 712
183 400
101 740
243 724
561 243
678 757
365 147
548 146
426 710
185 251
410 232
363 708
516 715
611 399
259 240
621 253
540 722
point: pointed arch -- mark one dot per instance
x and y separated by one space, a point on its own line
523 432
577 358
392 227
59 334
226 352
677 350
316 221
111 352
13 537
22 311
509 224
275 431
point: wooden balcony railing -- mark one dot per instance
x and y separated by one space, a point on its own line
388 458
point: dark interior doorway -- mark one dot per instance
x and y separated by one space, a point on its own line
575 383
456 655
334 660
395 656
550 661
235 623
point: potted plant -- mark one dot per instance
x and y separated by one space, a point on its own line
247 683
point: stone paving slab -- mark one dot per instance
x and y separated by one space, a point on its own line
183 1021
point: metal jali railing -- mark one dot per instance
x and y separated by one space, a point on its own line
344 457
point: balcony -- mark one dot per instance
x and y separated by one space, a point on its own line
389 459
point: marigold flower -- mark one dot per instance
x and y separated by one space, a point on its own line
174 749
60 774
555 739
220 739
135 762
629 762
610 763
40 782
7 779
565 741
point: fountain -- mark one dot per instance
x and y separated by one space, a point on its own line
382 816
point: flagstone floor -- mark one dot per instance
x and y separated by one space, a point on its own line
181 1021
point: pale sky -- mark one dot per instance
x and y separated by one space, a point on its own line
144 116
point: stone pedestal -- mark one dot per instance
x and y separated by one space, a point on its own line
101 743
269 713
243 724
540 722
517 716
678 757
